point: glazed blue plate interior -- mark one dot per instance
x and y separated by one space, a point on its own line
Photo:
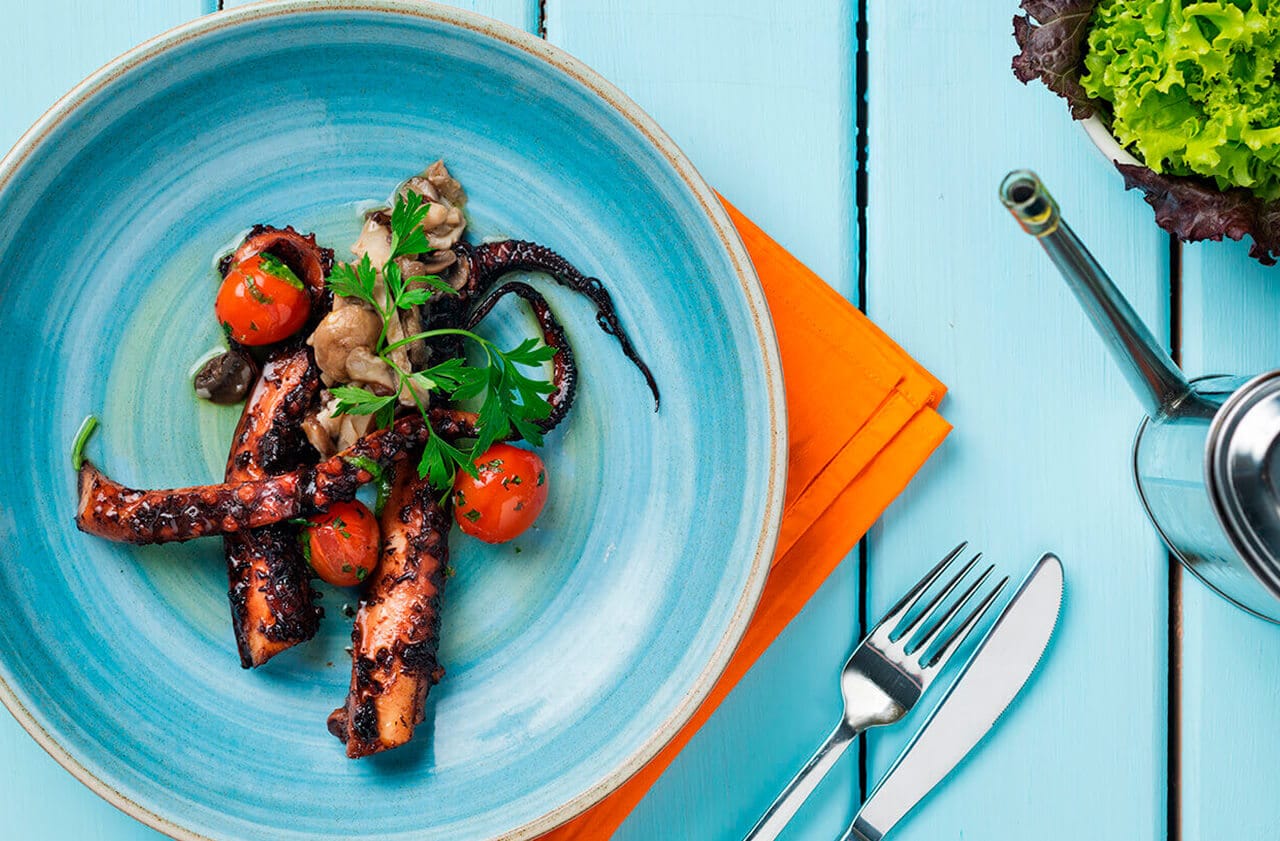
573 653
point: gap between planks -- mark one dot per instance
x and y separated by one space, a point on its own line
860 229
1173 683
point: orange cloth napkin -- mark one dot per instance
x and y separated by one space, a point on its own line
861 421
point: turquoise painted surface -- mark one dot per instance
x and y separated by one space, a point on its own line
1230 739
760 95
1039 459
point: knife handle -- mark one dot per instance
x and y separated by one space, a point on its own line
784 808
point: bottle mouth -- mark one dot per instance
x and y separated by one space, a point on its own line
1026 198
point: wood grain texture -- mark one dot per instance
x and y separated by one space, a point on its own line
1043 422
47 47
760 96
1230 691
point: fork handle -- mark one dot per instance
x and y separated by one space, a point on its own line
787 803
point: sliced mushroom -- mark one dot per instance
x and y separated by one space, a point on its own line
318 435
329 432
352 429
444 222
445 184
375 239
411 324
338 334
365 368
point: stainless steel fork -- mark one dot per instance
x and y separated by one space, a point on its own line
886 675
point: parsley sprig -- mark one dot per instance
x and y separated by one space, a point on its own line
513 401
398 292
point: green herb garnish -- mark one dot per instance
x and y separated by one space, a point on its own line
275 267
254 292
512 400
381 481
83 434
407 235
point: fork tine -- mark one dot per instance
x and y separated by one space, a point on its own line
931 636
948 648
932 607
904 605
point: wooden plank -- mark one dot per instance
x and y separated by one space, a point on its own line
760 95
45 48
1230 687
1039 459
520 13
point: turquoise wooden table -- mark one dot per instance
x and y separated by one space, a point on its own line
1152 717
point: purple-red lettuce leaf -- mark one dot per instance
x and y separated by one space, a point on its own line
1194 209
1052 49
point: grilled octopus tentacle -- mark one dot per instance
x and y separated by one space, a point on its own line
108 509
491 260
272 602
398 626
308 260
564 371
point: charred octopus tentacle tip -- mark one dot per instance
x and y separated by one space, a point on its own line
491 260
401 604
309 260
564 368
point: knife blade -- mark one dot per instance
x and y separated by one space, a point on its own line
997 671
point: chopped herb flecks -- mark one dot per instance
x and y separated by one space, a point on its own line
256 293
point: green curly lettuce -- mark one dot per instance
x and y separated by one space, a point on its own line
1192 86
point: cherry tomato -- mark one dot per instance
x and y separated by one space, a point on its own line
506 498
342 544
261 301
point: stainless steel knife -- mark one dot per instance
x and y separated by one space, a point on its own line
994 675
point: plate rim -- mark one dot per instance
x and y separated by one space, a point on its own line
748 281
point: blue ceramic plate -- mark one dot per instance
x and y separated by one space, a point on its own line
572 655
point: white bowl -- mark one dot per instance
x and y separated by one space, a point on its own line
1106 142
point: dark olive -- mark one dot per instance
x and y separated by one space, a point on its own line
225 378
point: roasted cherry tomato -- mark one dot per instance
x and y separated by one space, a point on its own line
506 498
342 544
262 301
